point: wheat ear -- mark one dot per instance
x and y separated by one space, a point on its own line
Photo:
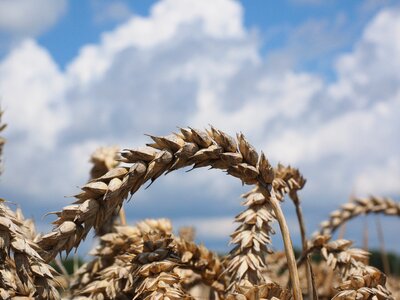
133 262
359 281
246 260
101 197
22 271
356 207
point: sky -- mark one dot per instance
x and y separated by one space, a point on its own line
314 84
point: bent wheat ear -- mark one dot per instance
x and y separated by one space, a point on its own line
191 147
357 207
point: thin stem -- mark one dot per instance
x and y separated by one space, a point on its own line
312 292
122 216
291 260
63 270
76 262
385 260
365 234
342 231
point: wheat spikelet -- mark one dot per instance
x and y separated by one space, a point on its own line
23 273
252 237
155 274
204 264
104 159
356 207
100 197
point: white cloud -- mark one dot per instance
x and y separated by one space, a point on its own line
380 179
212 228
115 11
32 88
29 18
369 72
166 18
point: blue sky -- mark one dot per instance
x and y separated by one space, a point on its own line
312 83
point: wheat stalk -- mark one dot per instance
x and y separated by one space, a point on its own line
356 207
99 198
294 182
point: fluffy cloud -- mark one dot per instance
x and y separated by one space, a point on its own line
188 64
115 11
28 18
33 89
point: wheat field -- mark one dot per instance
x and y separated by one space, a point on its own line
148 261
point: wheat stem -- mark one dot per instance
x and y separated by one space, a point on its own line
291 260
312 292
385 259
